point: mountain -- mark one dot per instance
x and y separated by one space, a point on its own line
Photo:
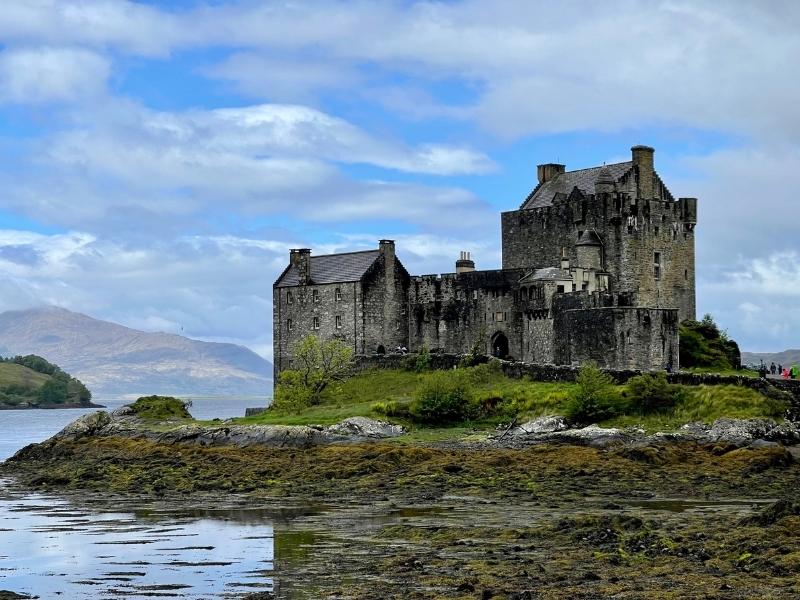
112 359
786 358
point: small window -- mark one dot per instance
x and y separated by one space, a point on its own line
315 323
498 316
584 286
338 294
289 325
656 230
560 289
397 325
657 265
475 294
338 321
315 295
289 298
686 274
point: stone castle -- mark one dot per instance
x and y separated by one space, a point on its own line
598 265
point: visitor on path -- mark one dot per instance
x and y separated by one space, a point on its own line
794 372
785 373
780 370
772 369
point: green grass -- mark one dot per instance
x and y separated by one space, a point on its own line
14 374
706 403
160 408
358 396
723 372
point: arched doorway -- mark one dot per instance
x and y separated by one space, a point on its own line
381 350
499 345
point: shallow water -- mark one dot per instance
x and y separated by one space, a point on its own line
60 547
52 546
19 428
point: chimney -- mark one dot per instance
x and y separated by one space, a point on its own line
465 264
549 171
564 259
386 247
643 162
300 258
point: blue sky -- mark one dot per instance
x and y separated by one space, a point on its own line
159 159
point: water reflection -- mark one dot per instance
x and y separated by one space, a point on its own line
50 546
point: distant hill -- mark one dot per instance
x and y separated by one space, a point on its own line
111 359
786 358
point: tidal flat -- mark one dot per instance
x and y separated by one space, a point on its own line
393 520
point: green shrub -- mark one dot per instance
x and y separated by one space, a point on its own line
652 393
291 393
486 372
595 398
161 408
422 361
392 408
444 397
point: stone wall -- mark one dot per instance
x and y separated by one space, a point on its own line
385 290
303 308
632 231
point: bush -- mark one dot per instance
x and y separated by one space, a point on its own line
595 398
161 408
652 393
392 408
444 397
422 361
486 372
291 393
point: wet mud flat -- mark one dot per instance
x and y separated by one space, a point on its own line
408 521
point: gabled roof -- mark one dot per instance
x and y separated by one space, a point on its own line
589 238
564 183
332 268
547 274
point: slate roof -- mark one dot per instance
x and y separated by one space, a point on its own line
564 183
332 268
549 274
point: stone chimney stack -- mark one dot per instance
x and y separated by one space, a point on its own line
549 171
300 258
643 162
564 259
386 247
465 264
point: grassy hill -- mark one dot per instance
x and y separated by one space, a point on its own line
32 381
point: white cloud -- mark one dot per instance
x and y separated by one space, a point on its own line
38 75
123 167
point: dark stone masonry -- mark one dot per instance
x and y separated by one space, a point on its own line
598 265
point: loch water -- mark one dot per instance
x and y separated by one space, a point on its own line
74 546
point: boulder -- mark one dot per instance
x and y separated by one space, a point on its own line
85 426
365 427
546 424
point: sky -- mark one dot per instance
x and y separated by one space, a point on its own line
159 159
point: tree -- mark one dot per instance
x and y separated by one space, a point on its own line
595 397
317 364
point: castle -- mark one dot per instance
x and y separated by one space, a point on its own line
598 265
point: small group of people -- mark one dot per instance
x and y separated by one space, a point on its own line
780 371
401 350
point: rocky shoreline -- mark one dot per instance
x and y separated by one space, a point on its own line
50 406
534 510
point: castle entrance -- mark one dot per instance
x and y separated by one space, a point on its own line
499 345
